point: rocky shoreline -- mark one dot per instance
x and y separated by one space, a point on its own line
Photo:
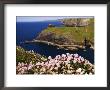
66 47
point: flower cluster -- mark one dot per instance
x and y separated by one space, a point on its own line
61 64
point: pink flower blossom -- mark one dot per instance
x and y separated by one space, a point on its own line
52 65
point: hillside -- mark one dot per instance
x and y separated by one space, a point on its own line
67 35
26 56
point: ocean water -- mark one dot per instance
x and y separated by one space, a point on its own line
27 31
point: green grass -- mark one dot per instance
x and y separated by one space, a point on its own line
26 56
75 34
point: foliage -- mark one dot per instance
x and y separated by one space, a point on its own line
27 56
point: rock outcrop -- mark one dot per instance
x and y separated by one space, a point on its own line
76 22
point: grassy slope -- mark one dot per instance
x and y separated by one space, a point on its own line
27 56
74 34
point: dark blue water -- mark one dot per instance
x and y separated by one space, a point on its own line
26 31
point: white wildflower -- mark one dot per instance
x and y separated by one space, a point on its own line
78 70
49 57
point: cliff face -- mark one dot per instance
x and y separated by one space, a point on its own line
76 22
53 37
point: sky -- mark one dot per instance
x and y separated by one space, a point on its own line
44 18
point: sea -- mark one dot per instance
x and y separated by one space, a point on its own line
27 31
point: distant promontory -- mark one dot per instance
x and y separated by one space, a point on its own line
74 34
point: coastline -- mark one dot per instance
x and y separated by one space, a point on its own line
66 47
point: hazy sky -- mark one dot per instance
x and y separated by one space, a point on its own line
43 18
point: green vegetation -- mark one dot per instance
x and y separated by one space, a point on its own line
27 56
69 35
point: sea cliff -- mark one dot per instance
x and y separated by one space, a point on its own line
70 38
